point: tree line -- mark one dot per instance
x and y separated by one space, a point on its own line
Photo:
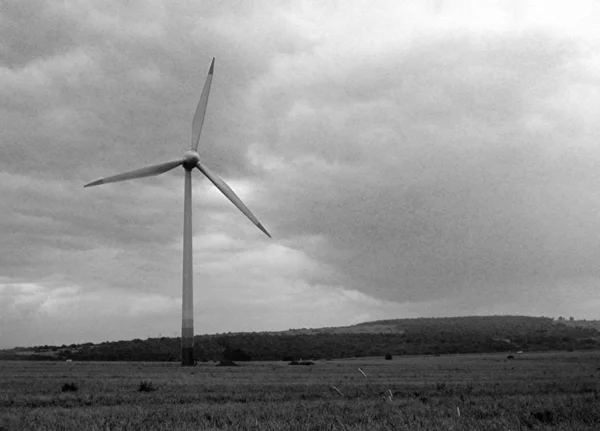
478 334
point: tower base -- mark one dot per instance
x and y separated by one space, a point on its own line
187 356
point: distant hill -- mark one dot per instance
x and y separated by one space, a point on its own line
594 324
398 337
363 328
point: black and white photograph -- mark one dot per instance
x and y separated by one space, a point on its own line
300 215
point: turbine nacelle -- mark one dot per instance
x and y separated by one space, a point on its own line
190 159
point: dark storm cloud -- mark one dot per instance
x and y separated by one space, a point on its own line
458 194
129 87
94 90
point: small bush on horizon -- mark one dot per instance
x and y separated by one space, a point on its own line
227 363
301 363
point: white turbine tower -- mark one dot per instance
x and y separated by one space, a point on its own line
189 161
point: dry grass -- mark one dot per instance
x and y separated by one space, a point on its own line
535 391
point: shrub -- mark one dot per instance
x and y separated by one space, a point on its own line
236 355
388 357
544 416
301 363
146 386
69 387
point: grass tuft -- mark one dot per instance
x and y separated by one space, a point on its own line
146 386
69 387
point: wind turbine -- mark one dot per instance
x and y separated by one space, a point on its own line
189 161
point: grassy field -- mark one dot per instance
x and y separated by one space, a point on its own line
546 391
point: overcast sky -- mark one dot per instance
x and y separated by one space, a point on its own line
410 158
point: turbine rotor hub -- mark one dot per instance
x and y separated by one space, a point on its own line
191 159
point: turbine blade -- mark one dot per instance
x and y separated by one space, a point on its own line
229 194
201 108
148 171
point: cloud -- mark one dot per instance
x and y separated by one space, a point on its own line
446 169
275 295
